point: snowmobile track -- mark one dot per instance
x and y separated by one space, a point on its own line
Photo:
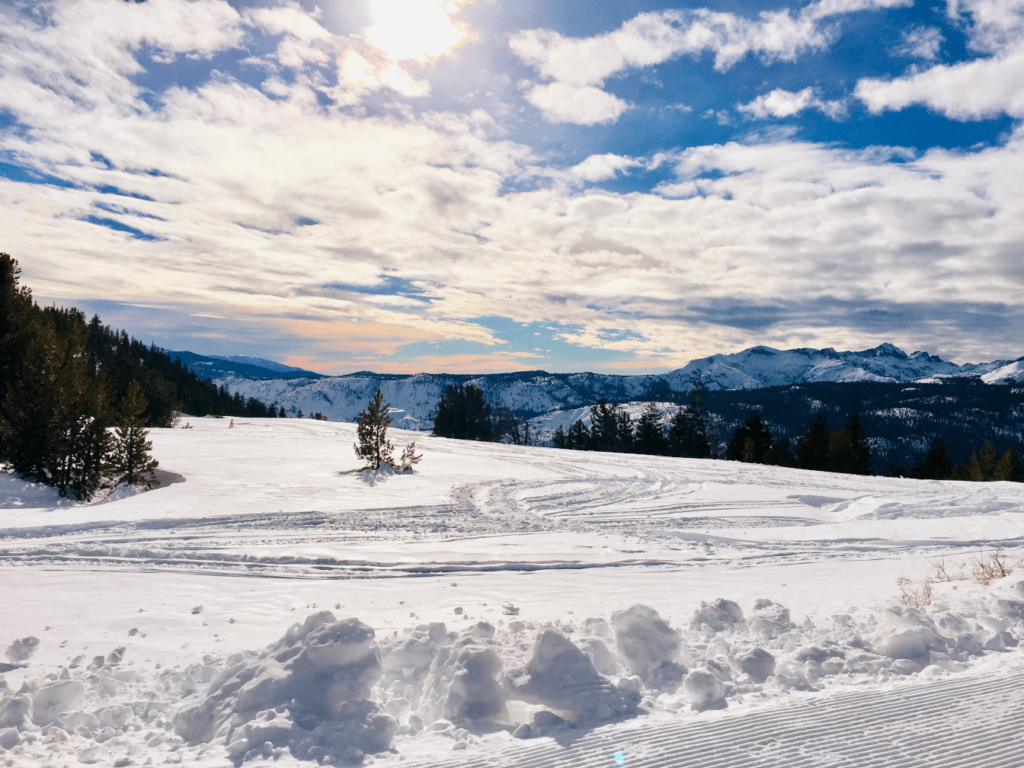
976 722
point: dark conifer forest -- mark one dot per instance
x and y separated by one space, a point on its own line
63 385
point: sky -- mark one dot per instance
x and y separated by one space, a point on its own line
496 185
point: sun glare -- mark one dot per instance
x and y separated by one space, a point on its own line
416 29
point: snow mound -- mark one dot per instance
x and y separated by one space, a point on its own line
560 676
644 639
308 693
463 683
717 615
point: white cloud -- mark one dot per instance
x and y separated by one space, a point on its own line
583 105
780 103
439 201
652 38
604 167
920 43
970 90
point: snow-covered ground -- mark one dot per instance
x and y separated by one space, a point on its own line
503 605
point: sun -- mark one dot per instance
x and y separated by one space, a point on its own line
422 30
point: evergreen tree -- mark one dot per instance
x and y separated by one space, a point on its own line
812 446
650 438
841 455
54 422
760 440
688 433
409 458
611 429
1010 468
934 465
131 462
781 454
462 413
18 317
372 430
578 438
862 464
558 437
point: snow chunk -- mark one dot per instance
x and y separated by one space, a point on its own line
704 691
756 662
309 692
50 701
718 615
22 650
463 683
770 617
644 639
559 675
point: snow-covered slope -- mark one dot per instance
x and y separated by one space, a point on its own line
533 393
504 606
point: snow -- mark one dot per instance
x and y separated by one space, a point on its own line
281 607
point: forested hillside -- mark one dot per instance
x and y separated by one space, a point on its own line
63 380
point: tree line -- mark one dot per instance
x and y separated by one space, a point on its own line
76 397
985 465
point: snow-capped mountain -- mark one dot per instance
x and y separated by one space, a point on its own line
532 393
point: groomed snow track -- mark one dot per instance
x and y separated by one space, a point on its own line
973 722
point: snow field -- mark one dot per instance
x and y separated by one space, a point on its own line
538 606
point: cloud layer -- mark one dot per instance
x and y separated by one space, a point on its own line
578 67
352 236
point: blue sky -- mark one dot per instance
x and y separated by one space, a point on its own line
407 185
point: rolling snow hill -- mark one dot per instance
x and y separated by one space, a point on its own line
533 393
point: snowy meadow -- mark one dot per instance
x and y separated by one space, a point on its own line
520 606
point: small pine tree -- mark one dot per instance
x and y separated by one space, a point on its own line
131 461
373 446
409 458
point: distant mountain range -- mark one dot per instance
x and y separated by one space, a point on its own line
533 393
239 367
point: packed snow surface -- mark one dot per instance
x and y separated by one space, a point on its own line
273 604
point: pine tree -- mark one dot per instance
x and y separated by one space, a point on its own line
688 433
862 464
18 316
131 462
578 438
934 465
751 442
409 458
841 455
1010 468
54 421
558 437
781 454
373 446
812 446
462 413
650 438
